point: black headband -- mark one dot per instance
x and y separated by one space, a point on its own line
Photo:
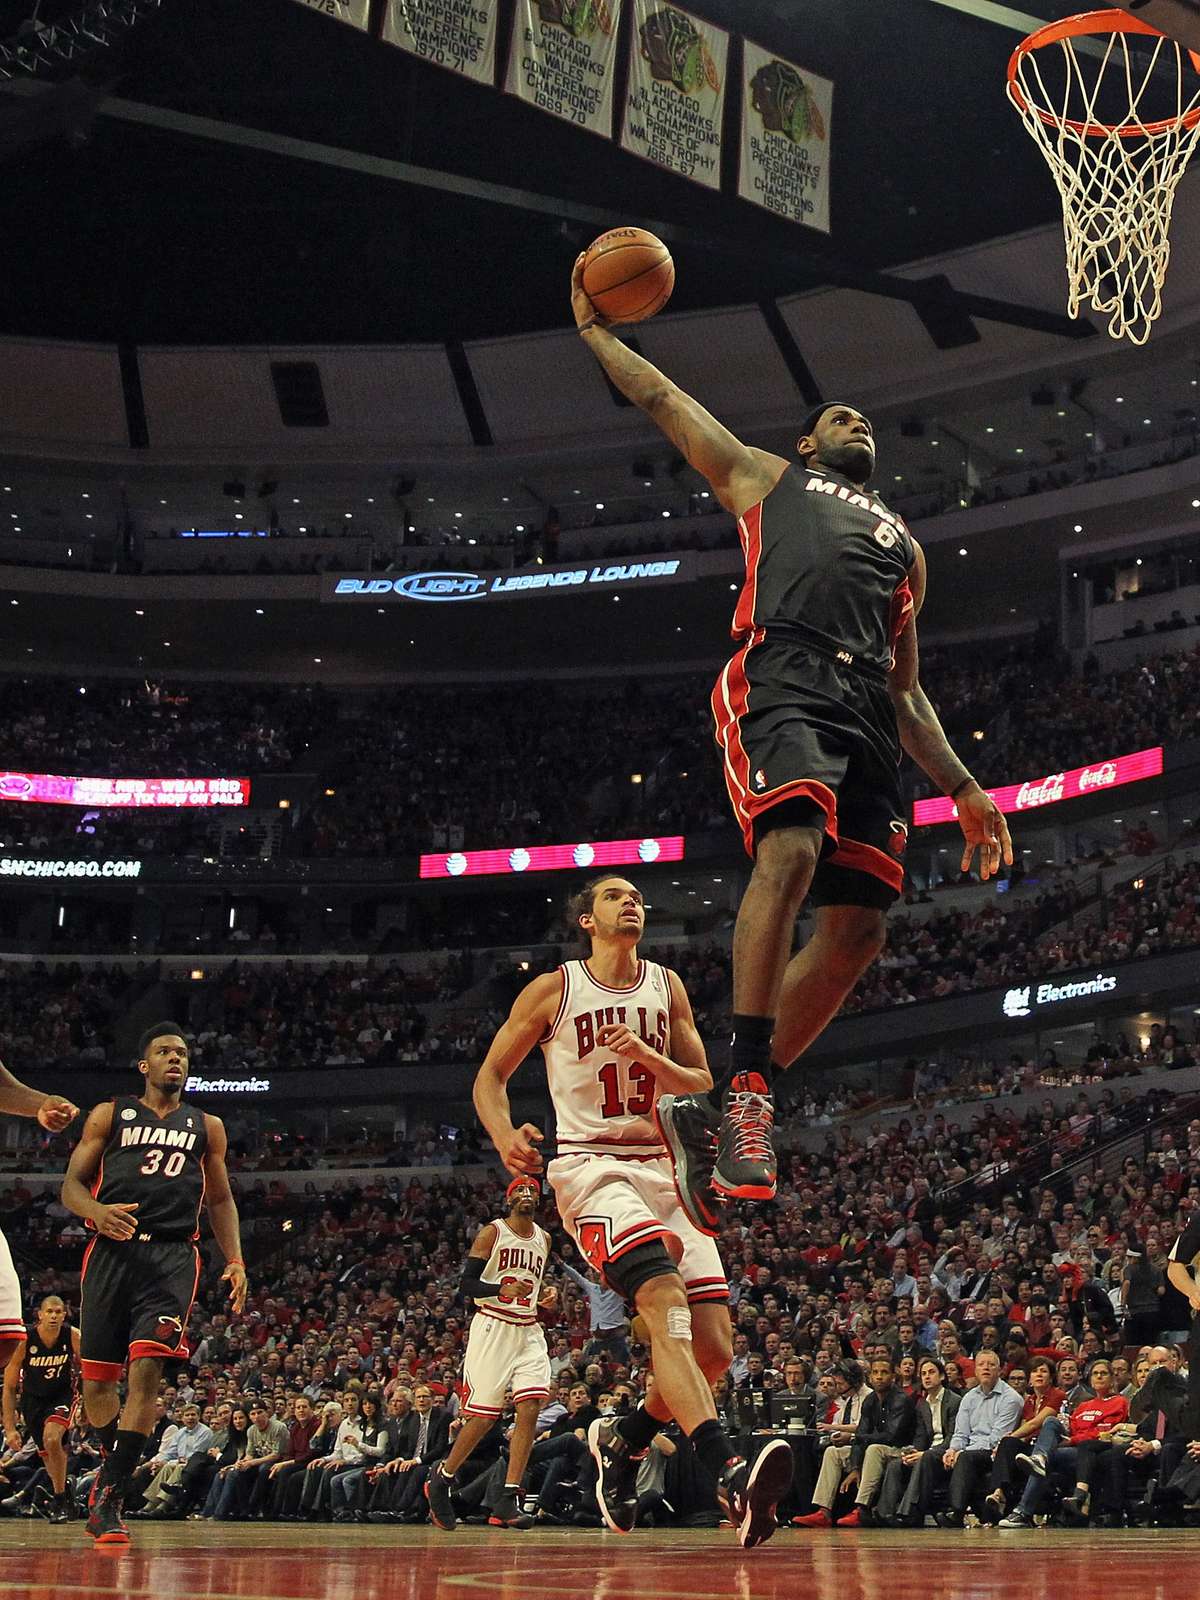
815 415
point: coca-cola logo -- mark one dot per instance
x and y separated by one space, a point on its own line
1098 777
1042 793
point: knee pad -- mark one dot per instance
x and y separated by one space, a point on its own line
637 1266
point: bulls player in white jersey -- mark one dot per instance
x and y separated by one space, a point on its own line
615 1032
506 1350
54 1114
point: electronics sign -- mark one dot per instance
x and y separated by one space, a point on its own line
1056 786
551 857
45 788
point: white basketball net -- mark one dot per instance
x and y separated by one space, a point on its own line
1117 181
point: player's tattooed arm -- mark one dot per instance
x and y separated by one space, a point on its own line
924 739
740 475
222 1211
530 1020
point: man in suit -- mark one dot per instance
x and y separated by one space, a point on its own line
1156 1450
907 1503
423 1437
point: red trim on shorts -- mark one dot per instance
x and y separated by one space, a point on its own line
749 527
866 858
101 1371
647 1237
730 701
469 1409
511 1322
702 1297
58 1421
531 1394
150 1349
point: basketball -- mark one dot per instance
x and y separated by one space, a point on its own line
628 274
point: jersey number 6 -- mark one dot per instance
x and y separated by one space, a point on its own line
641 1090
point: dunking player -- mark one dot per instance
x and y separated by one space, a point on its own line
506 1350
42 1370
615 1032
138 1176
811 715
54 1114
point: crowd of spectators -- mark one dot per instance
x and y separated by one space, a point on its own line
456 768
935 1236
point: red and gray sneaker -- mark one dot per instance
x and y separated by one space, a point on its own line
745 1165
104 1514
616 1475
751 1494
688 1124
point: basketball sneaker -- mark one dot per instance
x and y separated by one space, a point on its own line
104 1515
616 1476
506 1513
688 1124
745 1165
438 1490
750 1494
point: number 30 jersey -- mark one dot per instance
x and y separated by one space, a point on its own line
603 1104
157 1163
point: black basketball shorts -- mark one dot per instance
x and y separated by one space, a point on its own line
806 741
135 1300
38 1410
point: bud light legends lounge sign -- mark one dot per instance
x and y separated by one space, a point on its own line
551 857
1048 791
447 588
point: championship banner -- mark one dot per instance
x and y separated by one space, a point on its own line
458 34
676 96
355 12
562 58
786 114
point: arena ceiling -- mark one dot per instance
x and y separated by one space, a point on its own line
114 230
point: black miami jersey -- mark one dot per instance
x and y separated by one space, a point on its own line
827 561
157 1163
47 1370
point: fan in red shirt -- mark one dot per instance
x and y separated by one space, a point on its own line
1090 1437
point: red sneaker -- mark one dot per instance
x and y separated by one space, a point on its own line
852 1520
814 1519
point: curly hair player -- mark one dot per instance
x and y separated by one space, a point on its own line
615 1032
811 715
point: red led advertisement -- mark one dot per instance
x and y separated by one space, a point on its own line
46 788
551 857
1056 786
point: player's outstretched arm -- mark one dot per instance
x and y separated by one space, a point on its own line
19 1100
222 1211
739 474
923 737
530 1019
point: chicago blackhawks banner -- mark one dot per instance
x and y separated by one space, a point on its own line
459 34
562 58
676 96
355 12
786 113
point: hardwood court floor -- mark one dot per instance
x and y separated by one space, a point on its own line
190 1561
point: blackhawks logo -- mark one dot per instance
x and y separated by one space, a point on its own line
786 104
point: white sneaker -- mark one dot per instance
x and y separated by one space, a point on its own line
1033 1463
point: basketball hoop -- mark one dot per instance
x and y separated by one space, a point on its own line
1116 155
